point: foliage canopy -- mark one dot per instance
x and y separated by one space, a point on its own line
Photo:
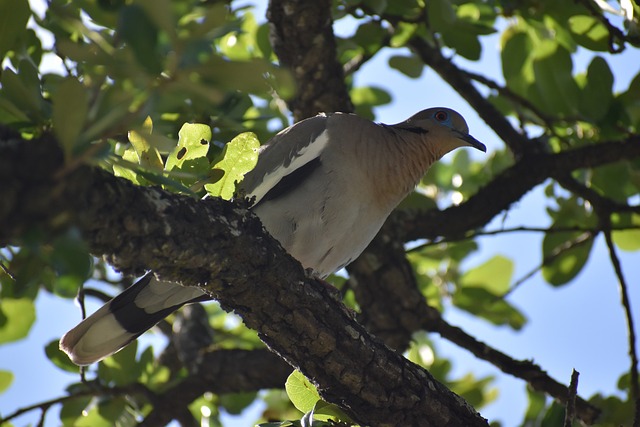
177 94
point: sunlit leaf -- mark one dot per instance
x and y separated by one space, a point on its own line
6 378
493 276
239 157
554 82
302 393
148 155
627 240
121 368
589 32
193 144
107 413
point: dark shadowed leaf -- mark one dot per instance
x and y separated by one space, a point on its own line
597 94
60 358
14 15
141 34
411 66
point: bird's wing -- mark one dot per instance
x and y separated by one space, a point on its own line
295 148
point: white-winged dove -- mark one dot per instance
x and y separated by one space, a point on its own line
323 188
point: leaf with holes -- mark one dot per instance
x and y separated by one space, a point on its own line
238 157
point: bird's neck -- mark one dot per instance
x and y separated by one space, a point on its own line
402 160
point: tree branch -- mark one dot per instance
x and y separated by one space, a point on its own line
509 187
223 248
302 37
398 309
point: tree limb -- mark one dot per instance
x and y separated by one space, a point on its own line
302 37
510 185
222 247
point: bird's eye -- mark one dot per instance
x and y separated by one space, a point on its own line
441 116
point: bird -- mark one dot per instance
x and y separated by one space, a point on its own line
322 187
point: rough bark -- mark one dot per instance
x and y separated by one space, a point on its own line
302 37
222 247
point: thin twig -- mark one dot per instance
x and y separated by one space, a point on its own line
624 294
570 413
135 388
7 272
530 372
474 235
558 250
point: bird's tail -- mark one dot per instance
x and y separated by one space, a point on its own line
125 318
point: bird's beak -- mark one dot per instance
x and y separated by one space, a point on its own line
471 141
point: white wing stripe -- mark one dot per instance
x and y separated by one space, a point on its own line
304 156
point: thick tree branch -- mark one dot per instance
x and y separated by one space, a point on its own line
394 308
460 82
220 372
302 37
223 247
509 187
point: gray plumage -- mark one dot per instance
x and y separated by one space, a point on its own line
322 187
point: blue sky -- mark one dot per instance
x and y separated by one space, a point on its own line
579 326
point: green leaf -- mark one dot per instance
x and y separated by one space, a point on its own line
160 12
484 304
554 416
369 37
148 155
614 180
480 290
537 404
589 32
597 94
121 368
9 112
494 276
73 410
377 6
516 60
235 403
128 167
190 155
365 98
16 318
107 413
464 42
72 263
140 33
441 14
14 15
59 358
564 258
238 157
6 378
302 393
324 411
23 90
411 66
70 105
627 240
558 90
565 264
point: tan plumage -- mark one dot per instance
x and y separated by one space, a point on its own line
322 187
